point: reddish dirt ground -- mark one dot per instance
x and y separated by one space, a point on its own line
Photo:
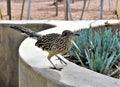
43 10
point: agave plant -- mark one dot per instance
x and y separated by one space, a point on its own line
100 49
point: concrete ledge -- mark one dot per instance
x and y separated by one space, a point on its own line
34 66
10 41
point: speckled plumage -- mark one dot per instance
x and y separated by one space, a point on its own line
46 41
56 43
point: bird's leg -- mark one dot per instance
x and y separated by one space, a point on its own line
54 67
61 60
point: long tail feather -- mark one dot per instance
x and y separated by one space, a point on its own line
28 32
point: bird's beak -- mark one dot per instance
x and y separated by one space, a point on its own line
76 34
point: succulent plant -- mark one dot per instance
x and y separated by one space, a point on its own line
98 49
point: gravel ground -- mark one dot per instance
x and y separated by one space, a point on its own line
44 9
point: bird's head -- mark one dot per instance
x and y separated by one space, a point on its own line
69 34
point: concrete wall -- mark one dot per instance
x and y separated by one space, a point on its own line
30 78
10 41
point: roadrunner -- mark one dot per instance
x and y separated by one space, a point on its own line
53 43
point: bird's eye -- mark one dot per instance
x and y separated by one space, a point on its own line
64 34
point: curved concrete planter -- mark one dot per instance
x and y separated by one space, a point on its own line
34 68
10 41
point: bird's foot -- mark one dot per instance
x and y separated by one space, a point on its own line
55 68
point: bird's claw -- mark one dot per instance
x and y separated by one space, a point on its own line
59 69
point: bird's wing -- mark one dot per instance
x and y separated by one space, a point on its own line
46 41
